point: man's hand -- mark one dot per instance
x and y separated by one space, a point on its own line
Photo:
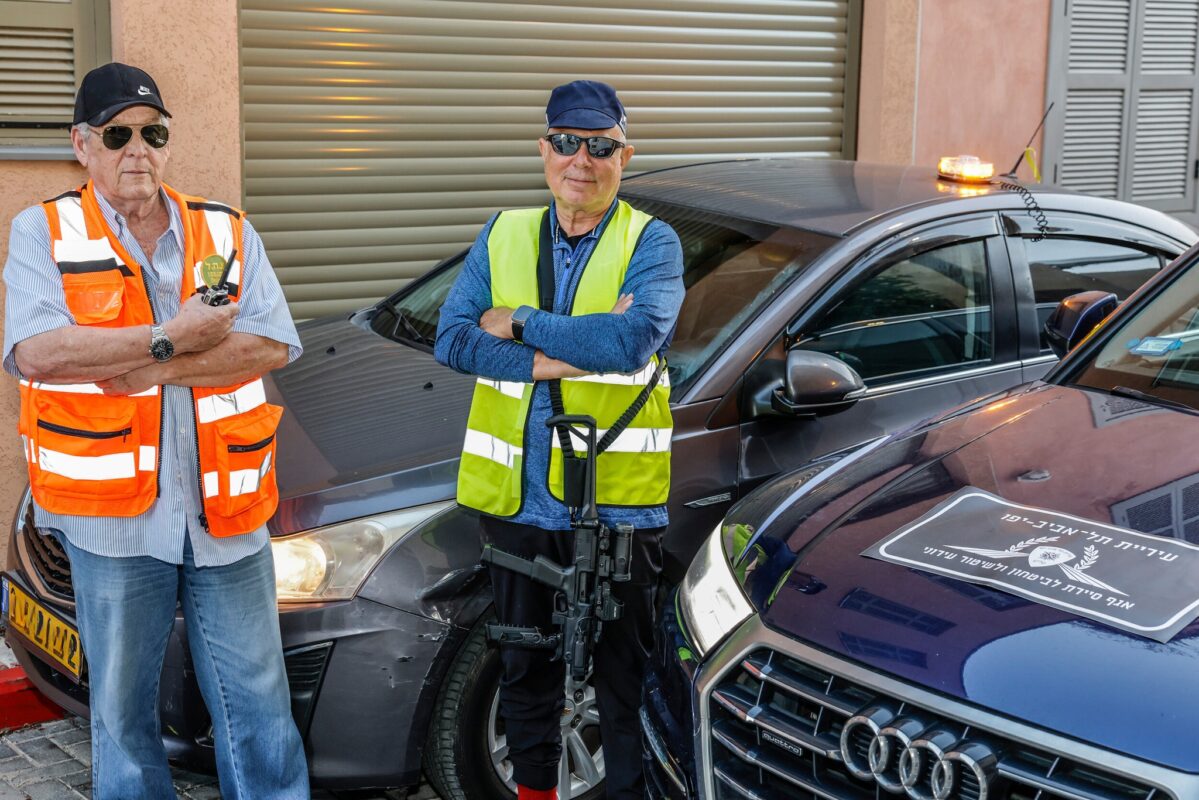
199 327
132 382
497 321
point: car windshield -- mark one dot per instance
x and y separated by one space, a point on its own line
1154 354
731 269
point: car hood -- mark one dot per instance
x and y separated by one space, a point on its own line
1083 453
371 425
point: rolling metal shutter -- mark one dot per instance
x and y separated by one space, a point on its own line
1128 126
382 134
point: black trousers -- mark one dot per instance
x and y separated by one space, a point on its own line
531 692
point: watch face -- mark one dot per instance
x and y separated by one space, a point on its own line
162 349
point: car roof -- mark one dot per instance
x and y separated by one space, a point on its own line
826 196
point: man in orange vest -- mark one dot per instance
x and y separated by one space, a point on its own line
150 444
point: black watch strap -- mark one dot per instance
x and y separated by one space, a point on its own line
519 317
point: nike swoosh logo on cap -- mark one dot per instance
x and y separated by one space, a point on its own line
143 91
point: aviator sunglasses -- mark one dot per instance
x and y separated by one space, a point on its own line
117 136
567 144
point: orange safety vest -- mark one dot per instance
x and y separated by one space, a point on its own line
91 454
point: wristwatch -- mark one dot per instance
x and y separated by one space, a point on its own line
519 317
161 346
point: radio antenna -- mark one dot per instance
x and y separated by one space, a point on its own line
1012 172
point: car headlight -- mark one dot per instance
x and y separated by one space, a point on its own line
332 563
710 601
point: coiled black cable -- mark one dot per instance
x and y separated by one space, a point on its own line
1032 207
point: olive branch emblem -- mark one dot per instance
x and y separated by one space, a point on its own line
1075 572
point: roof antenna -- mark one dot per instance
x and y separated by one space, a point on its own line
1012 172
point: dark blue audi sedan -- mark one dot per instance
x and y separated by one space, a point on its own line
883 293
997 604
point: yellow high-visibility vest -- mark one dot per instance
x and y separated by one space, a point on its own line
635 469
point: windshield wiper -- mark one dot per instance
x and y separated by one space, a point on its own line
403 321
1137 394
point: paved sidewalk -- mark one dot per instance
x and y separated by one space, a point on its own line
52 761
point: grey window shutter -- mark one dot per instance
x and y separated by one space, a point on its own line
45 47
1092 102
1163 93
381 135
1124 75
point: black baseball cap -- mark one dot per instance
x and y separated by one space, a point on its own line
108 90
587 105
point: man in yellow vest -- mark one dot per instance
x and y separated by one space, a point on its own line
150 443
592 343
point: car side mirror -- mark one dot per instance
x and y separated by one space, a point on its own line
815 383
1075 318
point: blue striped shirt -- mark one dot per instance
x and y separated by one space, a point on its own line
36 304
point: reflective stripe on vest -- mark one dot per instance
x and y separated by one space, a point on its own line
91 454
635 469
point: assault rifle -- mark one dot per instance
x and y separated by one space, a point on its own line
584 598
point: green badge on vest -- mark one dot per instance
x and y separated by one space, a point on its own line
211 269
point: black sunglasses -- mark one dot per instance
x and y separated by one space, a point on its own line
567 144
117 136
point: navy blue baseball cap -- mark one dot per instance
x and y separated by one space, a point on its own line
587 105
108 90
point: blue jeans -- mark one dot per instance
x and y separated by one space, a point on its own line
125 608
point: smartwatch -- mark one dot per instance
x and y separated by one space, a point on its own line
519 317
161 346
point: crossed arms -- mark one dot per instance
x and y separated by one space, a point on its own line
474 338
49 347
118 359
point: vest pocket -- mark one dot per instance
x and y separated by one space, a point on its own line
94 297
245 459
87 457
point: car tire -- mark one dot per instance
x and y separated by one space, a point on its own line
458 759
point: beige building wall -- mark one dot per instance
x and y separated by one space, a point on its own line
946 77
201 90
888 81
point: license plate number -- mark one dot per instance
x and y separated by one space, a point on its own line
37 626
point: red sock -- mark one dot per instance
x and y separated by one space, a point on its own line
525 793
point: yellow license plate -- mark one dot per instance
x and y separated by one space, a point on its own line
46 632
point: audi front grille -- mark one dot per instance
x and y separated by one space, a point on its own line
781 727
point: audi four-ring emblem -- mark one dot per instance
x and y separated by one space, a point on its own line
925 761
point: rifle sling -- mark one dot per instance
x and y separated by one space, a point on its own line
546 288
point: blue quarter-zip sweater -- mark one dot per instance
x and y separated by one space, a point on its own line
594 342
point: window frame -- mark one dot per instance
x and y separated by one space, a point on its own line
913 242
31 136
1017 227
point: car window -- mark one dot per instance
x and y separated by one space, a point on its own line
731 270
413 313
926 314
729 277
1061 267
1154 351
